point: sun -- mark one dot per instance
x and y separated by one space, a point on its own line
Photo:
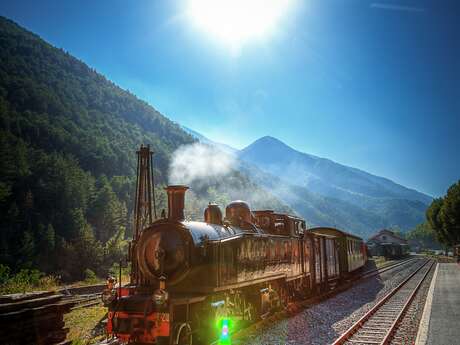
235 22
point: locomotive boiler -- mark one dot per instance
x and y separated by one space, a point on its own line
197 281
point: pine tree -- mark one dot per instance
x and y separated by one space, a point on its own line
27 251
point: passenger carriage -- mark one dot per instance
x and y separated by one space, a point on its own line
351 249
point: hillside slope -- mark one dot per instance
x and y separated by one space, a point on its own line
68 138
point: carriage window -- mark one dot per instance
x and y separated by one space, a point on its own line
287 249
264 222
299 228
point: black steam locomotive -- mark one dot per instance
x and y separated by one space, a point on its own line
198 280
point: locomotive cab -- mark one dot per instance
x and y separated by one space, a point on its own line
279 224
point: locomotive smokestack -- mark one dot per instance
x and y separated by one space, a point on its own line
176 202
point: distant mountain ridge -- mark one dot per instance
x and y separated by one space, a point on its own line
328 193
204 140
322 175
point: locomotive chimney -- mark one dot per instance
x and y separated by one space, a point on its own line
176 201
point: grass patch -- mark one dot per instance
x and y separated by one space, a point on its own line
379 261
26 280
85 326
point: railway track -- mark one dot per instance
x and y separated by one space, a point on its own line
348 283
379 324
38 317
376 271
83 301
242 336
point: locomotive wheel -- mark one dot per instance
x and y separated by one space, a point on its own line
184 335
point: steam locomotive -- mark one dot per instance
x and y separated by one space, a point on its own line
197 281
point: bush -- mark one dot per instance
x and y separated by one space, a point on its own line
90 276
24 281
4 274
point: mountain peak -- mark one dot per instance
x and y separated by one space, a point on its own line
269 139
268 143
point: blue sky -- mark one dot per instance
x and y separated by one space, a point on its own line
370 84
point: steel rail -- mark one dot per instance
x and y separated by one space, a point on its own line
393 327
357 325
374 272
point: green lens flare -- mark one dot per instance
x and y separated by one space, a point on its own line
224 331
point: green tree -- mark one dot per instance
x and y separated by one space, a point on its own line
449 214
76 223
443 215
107 213
424 236
46 248
27 251
432 216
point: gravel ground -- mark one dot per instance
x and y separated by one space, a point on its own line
407 331
322 323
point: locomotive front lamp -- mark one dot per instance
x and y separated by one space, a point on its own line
160 296
109 294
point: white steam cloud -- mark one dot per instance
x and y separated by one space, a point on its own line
198 162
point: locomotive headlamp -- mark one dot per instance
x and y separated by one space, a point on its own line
160 296
109 294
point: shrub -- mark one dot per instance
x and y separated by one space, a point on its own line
90 276
24 281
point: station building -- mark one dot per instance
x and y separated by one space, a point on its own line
378 243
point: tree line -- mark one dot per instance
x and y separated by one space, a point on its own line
443 216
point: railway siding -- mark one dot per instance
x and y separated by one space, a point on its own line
38 317
322 323
378 325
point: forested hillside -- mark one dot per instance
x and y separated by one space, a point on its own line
67 155
68 138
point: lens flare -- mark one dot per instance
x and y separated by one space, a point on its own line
234 22
224 327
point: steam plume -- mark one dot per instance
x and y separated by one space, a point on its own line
198 162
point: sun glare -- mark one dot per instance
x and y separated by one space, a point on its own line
234 22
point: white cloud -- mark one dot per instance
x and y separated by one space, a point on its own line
394 7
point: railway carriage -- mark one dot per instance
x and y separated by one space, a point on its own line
351 249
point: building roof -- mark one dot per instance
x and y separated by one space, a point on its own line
386 232
338 232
